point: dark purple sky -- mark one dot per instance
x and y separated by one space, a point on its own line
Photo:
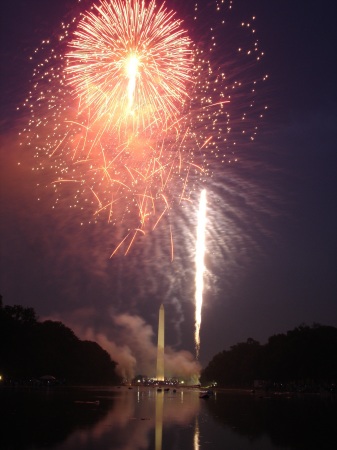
272 247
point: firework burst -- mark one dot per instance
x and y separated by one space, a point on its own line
130 114
130 66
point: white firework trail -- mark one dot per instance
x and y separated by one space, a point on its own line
200 268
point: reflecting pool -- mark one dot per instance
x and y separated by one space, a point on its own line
100 418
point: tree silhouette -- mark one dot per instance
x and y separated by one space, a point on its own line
30 349
306 355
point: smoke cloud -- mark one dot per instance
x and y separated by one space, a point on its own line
131 343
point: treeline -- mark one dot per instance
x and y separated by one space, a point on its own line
30 349
304 356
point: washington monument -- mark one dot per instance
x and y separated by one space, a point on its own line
160 349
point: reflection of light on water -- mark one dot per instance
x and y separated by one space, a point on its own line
159 420
134 415
196 435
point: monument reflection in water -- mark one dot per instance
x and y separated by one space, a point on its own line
187 417
159 420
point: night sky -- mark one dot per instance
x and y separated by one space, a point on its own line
272 216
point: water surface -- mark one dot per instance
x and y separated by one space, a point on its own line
103 418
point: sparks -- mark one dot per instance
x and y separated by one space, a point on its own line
200 267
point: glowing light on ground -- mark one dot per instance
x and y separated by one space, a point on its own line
200 268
